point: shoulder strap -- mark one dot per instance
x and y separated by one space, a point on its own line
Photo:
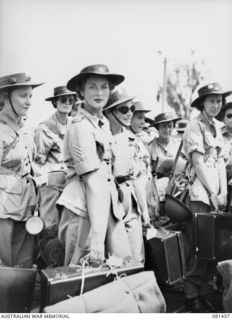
11 145
176 158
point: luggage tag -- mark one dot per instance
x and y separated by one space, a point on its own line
114 261
151 233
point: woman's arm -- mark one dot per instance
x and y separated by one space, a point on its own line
98 205
203 172
223 181
88 167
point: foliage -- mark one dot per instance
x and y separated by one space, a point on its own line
181 83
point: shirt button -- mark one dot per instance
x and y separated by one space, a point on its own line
109 179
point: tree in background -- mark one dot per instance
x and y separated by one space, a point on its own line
181 82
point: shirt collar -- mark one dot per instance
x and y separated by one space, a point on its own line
203 118
211 124
8 116
93 119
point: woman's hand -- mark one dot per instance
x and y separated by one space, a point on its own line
222 199
97 249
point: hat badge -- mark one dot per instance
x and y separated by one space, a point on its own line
211 86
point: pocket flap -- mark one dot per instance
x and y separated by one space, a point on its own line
11 184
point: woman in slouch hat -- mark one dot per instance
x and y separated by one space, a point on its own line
48 138
162 150
91 223
128 167
202 145
17 190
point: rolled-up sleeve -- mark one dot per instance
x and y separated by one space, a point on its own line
193 139
83 148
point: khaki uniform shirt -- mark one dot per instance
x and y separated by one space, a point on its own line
205 138
158 154
87 148
49 144
127 162
17 191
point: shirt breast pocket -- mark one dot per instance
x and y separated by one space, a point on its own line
209 140
11 184
11 195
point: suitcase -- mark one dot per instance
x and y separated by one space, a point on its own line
164 254
213 236
137 293
58 284
16 289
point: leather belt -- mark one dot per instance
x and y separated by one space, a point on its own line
121 179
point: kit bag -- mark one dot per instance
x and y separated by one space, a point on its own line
225 269
138 293
57 284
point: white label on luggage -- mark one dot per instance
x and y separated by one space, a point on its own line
114 261
151 233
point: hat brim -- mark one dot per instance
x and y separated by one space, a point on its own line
60 95
156 123
117 103
25 84
74 83
198 100
143 110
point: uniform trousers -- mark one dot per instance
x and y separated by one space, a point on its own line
75 231
133 227
199 272
16 244
49 212
132 221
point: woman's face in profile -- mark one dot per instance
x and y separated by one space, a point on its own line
165 129
96 92
228 118
21 100
138 121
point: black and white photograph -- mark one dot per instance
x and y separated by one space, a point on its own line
115 158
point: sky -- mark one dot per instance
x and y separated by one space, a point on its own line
52 40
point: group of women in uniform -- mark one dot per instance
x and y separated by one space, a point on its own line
95 176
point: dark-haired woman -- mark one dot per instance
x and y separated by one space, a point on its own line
202 145
226 116
91 223
48 138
